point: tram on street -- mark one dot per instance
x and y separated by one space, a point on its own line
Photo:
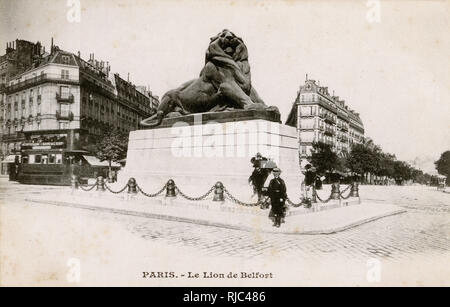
49 162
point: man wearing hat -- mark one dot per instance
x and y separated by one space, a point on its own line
310 178
277 194
259 174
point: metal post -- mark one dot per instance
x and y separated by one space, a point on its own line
335 194
132 186
100 184
170 189
74 182
218 192
313 194
354 192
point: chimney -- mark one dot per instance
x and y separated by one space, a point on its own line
128 78
79 54
51 48
306 77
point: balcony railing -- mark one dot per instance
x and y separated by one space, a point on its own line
329 131
64 116
330 119
40 79
64 98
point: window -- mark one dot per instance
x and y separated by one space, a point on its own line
51 158
64 74
25 159
65 59
65 109
64 92
58 158
44 159
37 159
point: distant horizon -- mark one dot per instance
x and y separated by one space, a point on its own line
397 82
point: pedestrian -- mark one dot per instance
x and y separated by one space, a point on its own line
259 174
277 195
310 178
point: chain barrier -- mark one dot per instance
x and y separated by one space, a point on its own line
89 188
294 204
237 201
228 195
348 196
116 192
151 195
195 198
323 201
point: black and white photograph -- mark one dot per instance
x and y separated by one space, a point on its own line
227 143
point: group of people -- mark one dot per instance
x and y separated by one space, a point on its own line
275 193
276 190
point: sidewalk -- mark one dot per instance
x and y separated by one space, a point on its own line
216 214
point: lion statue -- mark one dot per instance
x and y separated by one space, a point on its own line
224 84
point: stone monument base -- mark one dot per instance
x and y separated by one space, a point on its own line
196 154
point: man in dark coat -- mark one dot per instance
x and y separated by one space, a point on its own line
277 194
259 174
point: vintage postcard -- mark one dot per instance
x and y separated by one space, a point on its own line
257 143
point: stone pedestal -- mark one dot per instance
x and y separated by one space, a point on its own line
196 154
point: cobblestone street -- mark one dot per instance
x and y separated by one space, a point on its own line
423 232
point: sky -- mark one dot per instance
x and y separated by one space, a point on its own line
394 72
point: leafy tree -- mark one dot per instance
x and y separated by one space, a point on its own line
402 171
112 146
362 159
323 158
385 165
443 164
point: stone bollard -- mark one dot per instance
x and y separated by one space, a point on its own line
335 194
170 189
354 192
74 182
218 192
132 186
100 184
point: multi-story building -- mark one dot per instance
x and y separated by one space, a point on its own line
154 100
61 96
19 55
324 118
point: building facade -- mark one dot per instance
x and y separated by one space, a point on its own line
60 95
321 117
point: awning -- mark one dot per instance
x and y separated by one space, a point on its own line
10 159
93 161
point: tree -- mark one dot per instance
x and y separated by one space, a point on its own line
385 166
323 158
402 171
362 159
112 147
443 164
